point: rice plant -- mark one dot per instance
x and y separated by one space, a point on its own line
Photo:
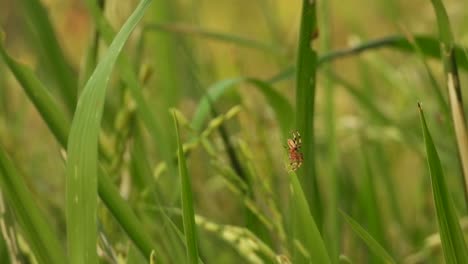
233 131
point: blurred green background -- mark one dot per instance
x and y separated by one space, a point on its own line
369 148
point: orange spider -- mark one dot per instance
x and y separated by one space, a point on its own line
295 156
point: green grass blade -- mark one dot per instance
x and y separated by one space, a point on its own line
373 245
177 231
188 213
55 118
36 229
449 59
304 227
54 57
60 126
82 160
445 33
145 112
305 99
123 213
429 47
451 235
282 108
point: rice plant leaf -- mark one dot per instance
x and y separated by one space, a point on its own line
145 112
453 87
373 245
282 108
429 47
54 57
188 214
304 227
177 231
451 235
36 229
82 169
55 118
306 67
59 124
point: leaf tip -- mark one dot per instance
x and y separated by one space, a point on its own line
420 106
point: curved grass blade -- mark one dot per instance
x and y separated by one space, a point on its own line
429 47
188 213
144 111
35 227
82 160
451 235
447 47
304 227
373 245
55 118
283 109
59 125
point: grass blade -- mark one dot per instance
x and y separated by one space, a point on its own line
188 213
447 47
373 245
304 227
59 124
36 229
451 235
429 47
145 112
55 118
83 151
305 97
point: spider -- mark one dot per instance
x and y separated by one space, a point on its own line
295 156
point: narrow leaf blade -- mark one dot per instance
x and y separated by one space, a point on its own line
304 227
187 202
35 228
373 245
451 235
82 170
